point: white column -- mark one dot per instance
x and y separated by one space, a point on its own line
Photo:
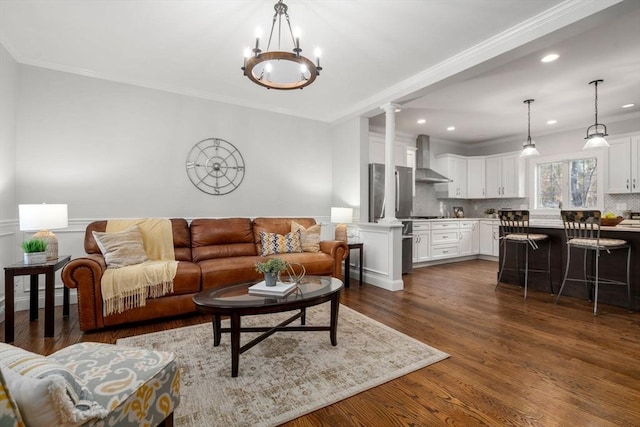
389 161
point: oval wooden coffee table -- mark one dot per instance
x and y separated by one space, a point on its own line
236 301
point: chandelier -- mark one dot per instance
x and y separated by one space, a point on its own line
529 146
277 69
597 131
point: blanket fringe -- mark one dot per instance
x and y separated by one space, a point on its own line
136 297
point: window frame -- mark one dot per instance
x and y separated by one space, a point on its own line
567 157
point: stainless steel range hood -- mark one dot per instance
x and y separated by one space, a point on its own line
423 159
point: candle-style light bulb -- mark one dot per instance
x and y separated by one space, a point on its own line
258 35
268 67
317 53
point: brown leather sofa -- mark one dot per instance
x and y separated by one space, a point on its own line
211 253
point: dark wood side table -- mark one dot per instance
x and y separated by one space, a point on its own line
48 269
347 262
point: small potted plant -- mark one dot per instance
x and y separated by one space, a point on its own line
271 270
34 251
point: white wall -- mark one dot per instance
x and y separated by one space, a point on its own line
114 150
8 204
347 160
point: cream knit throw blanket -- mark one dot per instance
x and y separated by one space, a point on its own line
129 287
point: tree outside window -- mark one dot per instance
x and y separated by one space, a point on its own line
567 183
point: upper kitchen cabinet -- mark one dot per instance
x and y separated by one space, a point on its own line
376 149
623 166
504 176
476 182
455 168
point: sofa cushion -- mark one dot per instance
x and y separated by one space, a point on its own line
274 243
309 236
221 238
46 392
220 272
121 248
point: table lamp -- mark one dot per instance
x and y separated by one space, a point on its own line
341 217
43 218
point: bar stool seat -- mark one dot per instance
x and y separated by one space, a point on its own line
514 228
582 231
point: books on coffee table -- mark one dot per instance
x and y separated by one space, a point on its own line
279 290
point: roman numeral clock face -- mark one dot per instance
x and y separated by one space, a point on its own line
215 166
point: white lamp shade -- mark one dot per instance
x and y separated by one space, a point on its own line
42 217
342 215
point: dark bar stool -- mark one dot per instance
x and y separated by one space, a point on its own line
582 230
514 230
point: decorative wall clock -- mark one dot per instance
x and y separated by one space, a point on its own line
215 166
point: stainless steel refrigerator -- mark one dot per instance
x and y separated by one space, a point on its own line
403 203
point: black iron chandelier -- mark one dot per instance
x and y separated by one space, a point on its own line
278 69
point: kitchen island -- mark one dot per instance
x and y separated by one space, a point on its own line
611 265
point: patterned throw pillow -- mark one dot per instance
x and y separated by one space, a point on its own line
309 237
273 243
121 248
46 392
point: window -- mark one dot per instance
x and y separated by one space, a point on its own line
572 182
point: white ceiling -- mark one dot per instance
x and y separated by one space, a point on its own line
468 63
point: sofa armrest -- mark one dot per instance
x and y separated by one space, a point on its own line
338 251
85 275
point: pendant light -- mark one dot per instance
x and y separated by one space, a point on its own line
597 131
529 146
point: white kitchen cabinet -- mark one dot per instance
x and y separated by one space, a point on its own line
476 182
421 241
455 168
489 238
444 239
504 176
469 238
623 165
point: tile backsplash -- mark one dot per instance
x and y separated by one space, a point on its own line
427 204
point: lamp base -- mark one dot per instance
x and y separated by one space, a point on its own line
341 232
52 243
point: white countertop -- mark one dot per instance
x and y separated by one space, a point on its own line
534 223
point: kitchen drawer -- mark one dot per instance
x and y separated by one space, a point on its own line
444 251
445 236
467 224
444 225
421 226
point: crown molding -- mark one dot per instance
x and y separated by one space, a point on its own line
555 18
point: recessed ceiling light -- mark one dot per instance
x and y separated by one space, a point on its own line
552 122
450 128
628 105
550 58
421 121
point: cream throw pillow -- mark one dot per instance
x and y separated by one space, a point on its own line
309 237
121 248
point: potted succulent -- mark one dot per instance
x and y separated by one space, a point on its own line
271 270
34 251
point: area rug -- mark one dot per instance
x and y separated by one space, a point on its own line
287 375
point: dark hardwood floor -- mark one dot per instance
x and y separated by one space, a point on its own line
513 362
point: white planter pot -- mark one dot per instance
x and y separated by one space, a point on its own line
35 258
